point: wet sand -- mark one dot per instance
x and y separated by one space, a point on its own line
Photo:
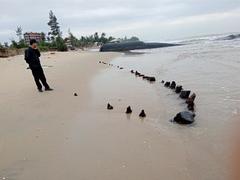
55 135
209 69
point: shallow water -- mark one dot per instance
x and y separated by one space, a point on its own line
210 69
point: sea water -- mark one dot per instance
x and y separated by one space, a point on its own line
207 66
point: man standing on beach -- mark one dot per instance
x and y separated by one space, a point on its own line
32 55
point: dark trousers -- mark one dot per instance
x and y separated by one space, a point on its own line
38 75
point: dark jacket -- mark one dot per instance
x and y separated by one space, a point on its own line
32 58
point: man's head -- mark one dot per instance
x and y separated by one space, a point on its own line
33 43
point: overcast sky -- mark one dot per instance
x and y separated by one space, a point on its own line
151 20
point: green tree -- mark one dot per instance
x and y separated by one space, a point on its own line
110 38
14 44
73 40
60 44
22 44
43 36
103 38
134 38
96 37
54 26
18 45
83 41
43 46
19 33
55 34
88 41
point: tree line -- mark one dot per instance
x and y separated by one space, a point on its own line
54 40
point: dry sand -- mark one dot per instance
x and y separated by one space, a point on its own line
56 136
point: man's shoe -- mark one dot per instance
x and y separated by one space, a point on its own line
48 89
40 90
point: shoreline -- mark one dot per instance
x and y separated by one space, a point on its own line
197 143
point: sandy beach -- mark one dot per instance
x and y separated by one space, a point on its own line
55 135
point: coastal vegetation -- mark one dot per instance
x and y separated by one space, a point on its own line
54 40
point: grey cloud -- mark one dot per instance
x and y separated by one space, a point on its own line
149 19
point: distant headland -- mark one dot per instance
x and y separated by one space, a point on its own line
135 45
